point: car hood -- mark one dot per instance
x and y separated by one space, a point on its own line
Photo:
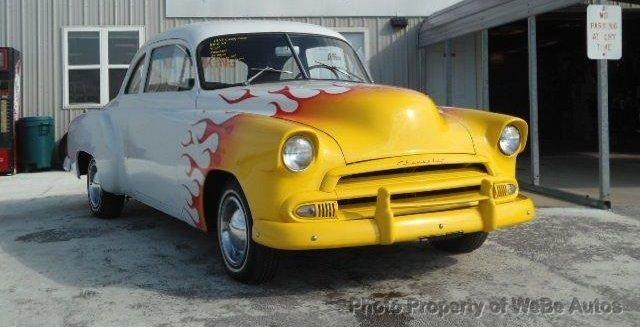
367 121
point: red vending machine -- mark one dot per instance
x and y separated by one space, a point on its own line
10 102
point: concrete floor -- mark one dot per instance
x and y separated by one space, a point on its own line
61 267
578 173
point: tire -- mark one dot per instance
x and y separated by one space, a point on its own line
102 204
462 244
61 152
257 264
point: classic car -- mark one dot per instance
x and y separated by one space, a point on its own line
271 136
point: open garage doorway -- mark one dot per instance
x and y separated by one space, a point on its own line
568 101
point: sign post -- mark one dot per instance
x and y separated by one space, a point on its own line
604 42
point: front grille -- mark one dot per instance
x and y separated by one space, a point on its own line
414 170
326 210
409 196
413 189
501 190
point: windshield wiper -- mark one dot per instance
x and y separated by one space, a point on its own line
339 70
266 69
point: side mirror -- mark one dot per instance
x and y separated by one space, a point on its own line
190 82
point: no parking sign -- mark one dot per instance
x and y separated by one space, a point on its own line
604 32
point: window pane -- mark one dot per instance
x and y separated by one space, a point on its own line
116 76
122 47
136 77
328 58
356 39
170 69
84 86
84 48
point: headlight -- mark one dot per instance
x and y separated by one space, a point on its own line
297 153
509 140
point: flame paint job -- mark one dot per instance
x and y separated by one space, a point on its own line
205 141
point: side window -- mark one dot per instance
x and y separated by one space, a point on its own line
136 77
170 69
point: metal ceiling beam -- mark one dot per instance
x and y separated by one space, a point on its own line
474 15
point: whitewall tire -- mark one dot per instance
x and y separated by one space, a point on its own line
244 260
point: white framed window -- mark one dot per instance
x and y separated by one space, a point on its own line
358 37
95 62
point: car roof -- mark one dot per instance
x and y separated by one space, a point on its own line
195 33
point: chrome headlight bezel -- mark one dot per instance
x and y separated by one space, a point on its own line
298 152
510 140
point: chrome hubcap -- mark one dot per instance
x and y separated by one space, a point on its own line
93 187
233 231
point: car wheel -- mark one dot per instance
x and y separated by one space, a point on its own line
462 244
102 203
244 260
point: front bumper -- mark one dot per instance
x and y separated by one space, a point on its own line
387 229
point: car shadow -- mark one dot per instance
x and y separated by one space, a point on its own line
144 249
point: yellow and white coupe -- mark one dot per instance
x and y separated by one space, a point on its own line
271 136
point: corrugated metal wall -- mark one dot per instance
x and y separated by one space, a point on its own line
35 28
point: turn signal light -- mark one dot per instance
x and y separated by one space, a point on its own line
306 211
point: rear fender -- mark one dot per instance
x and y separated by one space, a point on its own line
95 134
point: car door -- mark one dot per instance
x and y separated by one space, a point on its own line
156 126
125 107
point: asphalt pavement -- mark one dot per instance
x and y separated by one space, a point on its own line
59 266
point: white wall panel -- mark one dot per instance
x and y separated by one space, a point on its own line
303 8
465 74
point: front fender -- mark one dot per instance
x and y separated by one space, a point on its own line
252 152
96 134
485 129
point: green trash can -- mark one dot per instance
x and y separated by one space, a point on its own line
36 143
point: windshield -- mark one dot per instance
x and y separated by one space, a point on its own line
232 60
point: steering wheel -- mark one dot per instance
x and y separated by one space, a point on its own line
310 68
